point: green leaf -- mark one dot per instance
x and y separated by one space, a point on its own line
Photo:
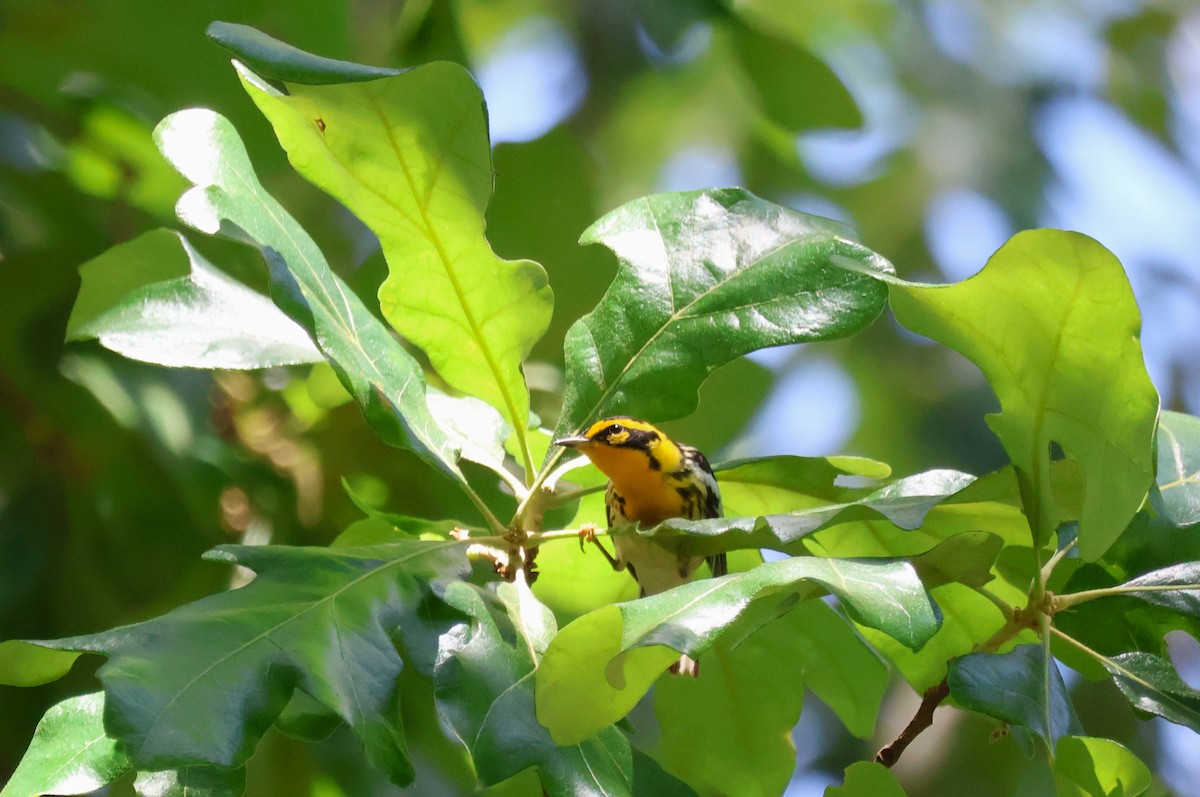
867 779
1049 320
23 664
966 558
1021 687
70 753
1151 684
485 689
1090 767
191 782
384 379
968 619
1177 494
598 667
277 60
772 485
1176 587
202 684
729 731
409 156
704 277
903 503
795 88
156 299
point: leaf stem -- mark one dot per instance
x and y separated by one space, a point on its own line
1063 602
493 522
1057 557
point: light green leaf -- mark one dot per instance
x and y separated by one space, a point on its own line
1151 684
156 299
1090 767
867 779
598 667
1021 687
729 731
201 684
70 753
773 485
23 664
1050 320
968 619
704 277
191 782
409 156
1177 495
384 379
485 689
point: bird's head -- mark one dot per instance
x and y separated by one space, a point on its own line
625 448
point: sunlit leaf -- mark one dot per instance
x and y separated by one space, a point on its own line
409 155
23 664
598 667
1049 319
70 753
729 730
703 277
966 558
191 782
867 779
156 299
202 683
1091 767
1151 684
1177 496
384 379
484 685
968 619
1022 688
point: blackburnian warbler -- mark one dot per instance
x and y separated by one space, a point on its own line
651 478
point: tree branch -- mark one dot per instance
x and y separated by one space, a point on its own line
891 753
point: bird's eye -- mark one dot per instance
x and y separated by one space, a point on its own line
616 428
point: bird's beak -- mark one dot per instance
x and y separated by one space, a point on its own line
577 441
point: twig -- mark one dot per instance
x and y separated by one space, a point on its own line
891 753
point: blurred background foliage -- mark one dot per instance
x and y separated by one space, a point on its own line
937 129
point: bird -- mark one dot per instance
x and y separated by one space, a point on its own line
652 478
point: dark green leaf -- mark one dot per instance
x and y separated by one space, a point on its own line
384 379
409 156
598 667
70 753
796 89
1091 767
23 664
1151 684
277 60
706 276
484 685
191 782
1176 587
1021 687
201 684
156 299
1050 318
1177 495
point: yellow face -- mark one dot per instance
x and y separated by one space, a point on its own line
628 451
